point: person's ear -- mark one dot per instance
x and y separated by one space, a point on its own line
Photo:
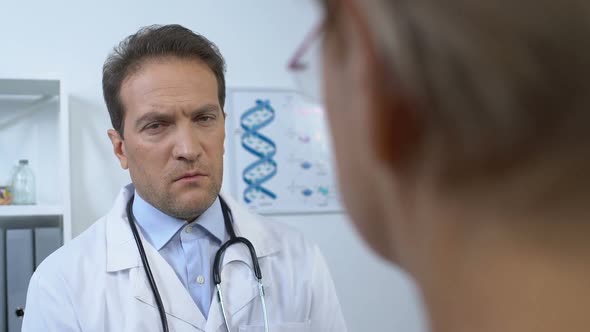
393 117
118 147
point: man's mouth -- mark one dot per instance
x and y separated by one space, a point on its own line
188 176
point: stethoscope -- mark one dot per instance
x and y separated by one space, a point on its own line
228 220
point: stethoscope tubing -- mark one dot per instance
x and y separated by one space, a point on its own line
228 221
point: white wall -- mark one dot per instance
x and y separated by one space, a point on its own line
70 39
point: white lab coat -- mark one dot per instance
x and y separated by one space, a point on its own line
96 282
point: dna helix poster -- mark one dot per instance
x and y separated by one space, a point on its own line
283 162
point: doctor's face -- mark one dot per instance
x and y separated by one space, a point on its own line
174 131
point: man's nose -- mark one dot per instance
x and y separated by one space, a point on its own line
188 145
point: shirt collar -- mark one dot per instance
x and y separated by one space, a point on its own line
122 252
159 228
212 221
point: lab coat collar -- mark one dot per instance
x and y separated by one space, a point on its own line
121 248
238 282
122 251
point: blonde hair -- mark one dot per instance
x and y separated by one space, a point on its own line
500 82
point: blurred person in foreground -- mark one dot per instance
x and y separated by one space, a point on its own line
461 131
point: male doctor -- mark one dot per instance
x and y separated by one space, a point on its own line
164 88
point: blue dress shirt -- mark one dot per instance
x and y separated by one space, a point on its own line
189 248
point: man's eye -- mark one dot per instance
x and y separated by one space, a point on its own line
154 126
206 118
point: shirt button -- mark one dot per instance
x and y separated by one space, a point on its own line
200 280
188 229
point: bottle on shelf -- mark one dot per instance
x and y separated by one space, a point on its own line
23 184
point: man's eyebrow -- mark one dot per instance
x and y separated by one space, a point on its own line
156 114
206 108
151 116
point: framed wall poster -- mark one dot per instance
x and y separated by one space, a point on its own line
283 161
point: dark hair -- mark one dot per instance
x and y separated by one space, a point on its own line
155 41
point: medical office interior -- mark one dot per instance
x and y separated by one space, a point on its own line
53 127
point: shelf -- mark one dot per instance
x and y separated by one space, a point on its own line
34 118
17 87
30 210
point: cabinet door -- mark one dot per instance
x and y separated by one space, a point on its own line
47 240
19 269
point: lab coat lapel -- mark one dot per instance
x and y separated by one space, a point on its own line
238 282
239 288
176 299
122 254
121 250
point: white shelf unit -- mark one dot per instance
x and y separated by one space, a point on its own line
34 125
30 211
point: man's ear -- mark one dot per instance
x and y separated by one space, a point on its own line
393 117
118 147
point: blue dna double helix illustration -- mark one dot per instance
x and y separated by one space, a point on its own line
263 169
